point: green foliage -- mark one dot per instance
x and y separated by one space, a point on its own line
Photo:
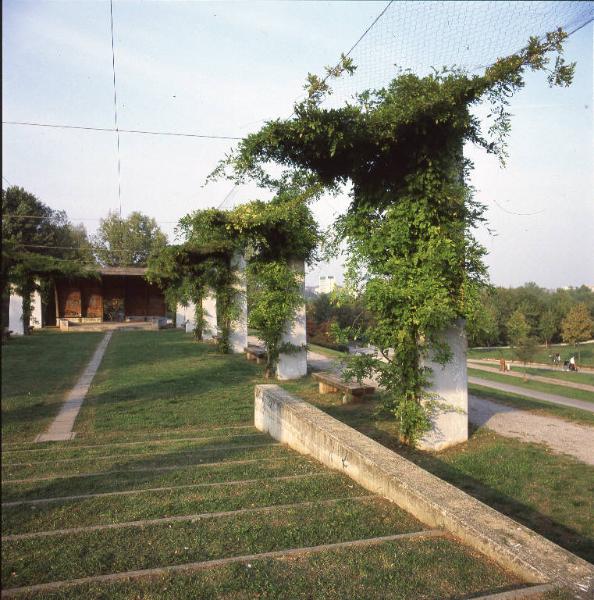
408 229
578 325
38 245
127 242
276 294
523 344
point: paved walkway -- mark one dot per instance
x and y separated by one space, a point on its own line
557 434
560 382
61 428
543 396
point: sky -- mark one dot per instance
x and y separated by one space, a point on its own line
223 68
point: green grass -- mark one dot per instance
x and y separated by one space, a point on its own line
37 371
536 386
98 552
538 407
162 412
542 356
549 493
419 570
327 351
572 377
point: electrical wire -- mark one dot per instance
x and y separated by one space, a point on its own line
111 129
6 180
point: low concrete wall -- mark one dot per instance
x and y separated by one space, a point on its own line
433 501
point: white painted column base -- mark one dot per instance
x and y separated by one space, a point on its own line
36 310
209 310
238 333
450 383
294 365
15 314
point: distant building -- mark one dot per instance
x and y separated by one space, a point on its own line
327 284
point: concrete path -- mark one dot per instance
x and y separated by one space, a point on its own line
559 435
545 397
61 428
516 374
545 366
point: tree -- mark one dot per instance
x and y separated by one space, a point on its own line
409 226
523 344
576 327
127 242
38 245
548 325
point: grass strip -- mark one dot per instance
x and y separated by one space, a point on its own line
115 508
179 518
536 386
538 407
142 461
36 501
150 479
403 569
26 562
542 355
214 563
110 437
150 469
77 450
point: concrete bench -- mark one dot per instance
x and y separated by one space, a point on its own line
256 353
331 382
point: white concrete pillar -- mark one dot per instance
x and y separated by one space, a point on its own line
209 312
294 365
450 383
15 314
36 310
185 315
238 333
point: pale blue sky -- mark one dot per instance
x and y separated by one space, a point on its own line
220 68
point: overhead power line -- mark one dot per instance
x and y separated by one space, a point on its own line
12 216
6 180
112 130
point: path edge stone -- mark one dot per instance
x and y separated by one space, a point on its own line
436 503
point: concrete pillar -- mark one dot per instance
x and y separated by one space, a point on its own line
450 383
238 333
294 365
15 314
185 315
36 310
209 311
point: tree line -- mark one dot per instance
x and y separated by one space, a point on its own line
547 316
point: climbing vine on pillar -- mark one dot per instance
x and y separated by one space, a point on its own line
408 229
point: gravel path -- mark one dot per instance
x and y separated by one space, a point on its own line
559 435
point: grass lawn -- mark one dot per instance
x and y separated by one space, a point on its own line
167 469
538 386
538 407
542 356
549 493
37 371
327 351
572 377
